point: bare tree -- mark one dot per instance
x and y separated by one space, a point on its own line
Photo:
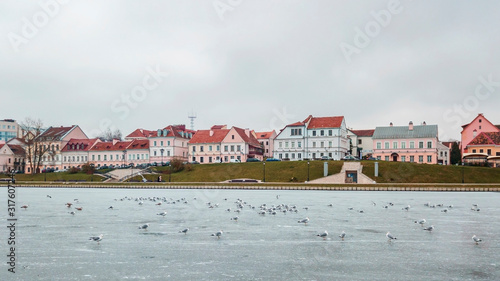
36 145
109 135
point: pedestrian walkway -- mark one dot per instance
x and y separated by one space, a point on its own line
122 174
346 175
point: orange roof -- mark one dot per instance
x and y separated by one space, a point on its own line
139 144
264 135
325 122
363 133
203 136
248 139
173 131
56 133
121 145
141 133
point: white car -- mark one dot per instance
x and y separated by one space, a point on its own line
234 161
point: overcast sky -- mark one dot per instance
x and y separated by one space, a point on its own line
247 63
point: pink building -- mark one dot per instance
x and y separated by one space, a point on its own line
473 129
220 144
12 158
76 152
406 143
118 153
266 139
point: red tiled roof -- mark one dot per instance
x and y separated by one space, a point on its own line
79 145
363 133
483 138
264 135
248 139
109 146
296 124
56 133
141 133
203 136
17 149
139 144
325 122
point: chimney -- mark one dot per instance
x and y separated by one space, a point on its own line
424 123
247 132
211 132
410 126
390 124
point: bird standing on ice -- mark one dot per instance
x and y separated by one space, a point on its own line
96 238
342 235
477 239
304 221
144 226
185 230
323 235
390 236
218 234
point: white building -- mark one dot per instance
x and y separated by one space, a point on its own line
443 156
361 141
314 138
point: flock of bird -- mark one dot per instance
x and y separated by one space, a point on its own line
262 210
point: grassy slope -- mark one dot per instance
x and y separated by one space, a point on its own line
389 172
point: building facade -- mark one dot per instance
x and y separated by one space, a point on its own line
206 145
474 128
266 139
9 129
12 158
313 138
483 149
361 142
76 152
418 144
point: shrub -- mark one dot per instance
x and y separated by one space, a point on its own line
177 165
73 170
88 169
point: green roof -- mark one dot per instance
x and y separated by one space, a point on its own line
403 132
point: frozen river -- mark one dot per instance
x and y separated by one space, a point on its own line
53 244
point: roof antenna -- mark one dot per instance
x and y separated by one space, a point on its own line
192 116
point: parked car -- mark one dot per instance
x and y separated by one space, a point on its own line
272 160
253 160
234 161
326 158
350 157
193 162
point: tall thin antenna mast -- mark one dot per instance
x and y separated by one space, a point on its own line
192 116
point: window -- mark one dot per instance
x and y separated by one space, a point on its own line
299 155
403 158
429 158
481 150
295 132
386 145
360 141
280 144
209 148
314 144
314 155
412 144
403 144
322 144
232 137
111 157
330 132
218 148
226 148
232 148
280 156
441 154
473 151
489 152
168 143
412 159
293 144
395 145
201 148
420 158
420 144
429 144
168 152
330 144
161 143
314 133
238 148
293 155
386 158
225 158
154 153
154 143
194 148
209 159
98 157
201 159
322 132
286 144
378 158
379 145
93 157
299 144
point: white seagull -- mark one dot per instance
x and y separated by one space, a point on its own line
185 230
323 235
390 236
96 238
218 234
342 235
304 221
145 226
477 239
421 222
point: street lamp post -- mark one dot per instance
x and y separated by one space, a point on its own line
170 174
161 151
307 171
463 167
264 171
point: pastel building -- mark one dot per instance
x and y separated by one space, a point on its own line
361 141
165 144
220 144
266 139
474 128
484 148
118 153
313 138
12 158
410 143
52 142
76 152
